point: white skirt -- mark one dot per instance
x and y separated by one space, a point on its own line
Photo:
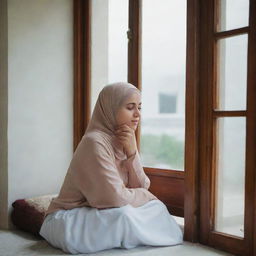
88 230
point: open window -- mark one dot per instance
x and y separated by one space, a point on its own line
228 125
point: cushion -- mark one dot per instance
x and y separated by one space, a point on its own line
28 214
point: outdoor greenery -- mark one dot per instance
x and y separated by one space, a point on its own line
162 149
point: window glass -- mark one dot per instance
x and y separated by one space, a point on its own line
163 83
232 73
109 44
233 14
229 214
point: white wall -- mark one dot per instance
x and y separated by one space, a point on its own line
40 96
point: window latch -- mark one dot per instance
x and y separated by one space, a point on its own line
129 34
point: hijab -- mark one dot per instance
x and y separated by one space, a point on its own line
103 119
110 99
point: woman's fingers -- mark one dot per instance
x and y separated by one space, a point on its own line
124 137
125 133
124 127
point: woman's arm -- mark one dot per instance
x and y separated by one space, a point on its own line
98 179
136 175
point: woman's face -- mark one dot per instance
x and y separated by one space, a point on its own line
129 112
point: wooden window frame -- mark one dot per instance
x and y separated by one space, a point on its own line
191 197
82 71
175 188
208 58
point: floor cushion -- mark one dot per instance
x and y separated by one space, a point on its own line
28 213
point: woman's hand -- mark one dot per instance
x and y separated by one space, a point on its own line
126 136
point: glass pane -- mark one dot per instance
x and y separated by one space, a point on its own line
230 180
109 44
232 70
233 14
163 83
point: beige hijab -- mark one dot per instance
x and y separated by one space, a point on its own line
103 119
109 101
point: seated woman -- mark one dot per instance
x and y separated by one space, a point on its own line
104 201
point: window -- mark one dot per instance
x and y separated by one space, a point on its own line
163 36
228 127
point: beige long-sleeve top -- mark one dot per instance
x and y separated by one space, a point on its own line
97 178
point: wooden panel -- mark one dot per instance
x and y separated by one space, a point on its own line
250 190
221 113
134 51
205 138
233 32
192 122
169 189
134 45
82 13
228 243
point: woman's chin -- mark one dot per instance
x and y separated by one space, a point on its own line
134 127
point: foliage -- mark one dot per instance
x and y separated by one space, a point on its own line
162 149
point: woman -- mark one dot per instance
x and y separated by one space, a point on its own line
104 201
